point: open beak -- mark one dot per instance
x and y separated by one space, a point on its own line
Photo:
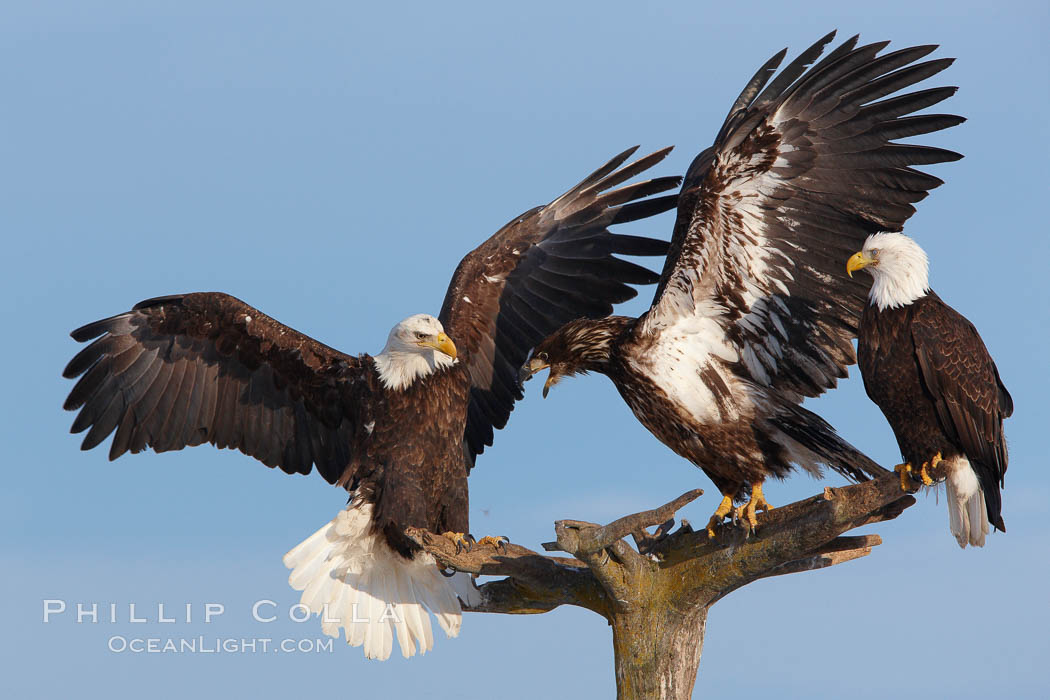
858 261
441 343
530 368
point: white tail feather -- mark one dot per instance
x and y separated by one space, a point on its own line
967 513
352 578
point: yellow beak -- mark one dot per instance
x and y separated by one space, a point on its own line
441 343
533 366
858 261
552 379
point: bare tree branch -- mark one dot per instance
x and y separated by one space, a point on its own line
535 583
839 550
592 538
656 597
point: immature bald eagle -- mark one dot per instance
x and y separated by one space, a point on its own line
928 370
401 430
753 312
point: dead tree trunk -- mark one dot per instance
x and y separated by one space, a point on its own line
657 651
656 595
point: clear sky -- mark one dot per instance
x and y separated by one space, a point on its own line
330 164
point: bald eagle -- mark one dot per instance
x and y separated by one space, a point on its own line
400 430
753 312
928 370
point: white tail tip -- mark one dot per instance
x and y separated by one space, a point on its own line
967 512
355 582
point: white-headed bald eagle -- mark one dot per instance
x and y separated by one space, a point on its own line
401 430
928 370
753 311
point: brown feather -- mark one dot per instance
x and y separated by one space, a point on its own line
498 306
929 371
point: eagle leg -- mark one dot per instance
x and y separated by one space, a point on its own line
499 542
721 512
905 471
748 512
463 541
927 467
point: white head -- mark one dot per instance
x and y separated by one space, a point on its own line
415 348
899 267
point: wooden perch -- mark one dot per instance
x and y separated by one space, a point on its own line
575 536
656 597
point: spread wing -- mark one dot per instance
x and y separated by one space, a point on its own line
802 171
183 370
964 383
551 265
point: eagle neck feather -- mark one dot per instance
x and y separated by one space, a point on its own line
902 275
590 342
399 369
891 292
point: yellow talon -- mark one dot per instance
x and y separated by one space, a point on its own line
926 479
749 511
720 514
905 471
461 540
924 473
499 542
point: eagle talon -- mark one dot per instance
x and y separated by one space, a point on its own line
724 509
463 541
748 512
924 475
499 542
927 467
907 480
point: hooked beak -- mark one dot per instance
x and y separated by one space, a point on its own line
441 343
533 366
858 261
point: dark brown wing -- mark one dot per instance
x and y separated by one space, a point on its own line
964 383
183 370
802 171
550 265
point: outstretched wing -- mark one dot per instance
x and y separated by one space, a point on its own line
964 384
801 173
183 370
551 265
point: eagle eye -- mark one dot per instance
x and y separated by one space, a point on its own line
542 357
420 335
874 252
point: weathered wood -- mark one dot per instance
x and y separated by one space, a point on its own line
593 538
656 597
657 652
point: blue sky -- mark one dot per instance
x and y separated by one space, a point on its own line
330 165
